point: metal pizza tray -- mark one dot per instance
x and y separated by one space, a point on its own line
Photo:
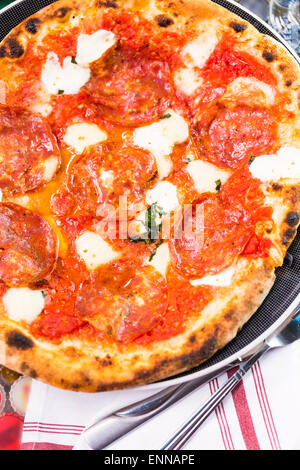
285 295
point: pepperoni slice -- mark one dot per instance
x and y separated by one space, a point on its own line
110 172
214 235
228 137
122 302
29 154
130 88
28 246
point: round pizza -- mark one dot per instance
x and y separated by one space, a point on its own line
150 186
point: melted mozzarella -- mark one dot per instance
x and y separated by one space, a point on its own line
94 251
197 52
161 259
250 91
164 194
286 164
107 178
223 279
23 304
82 135
1 195
205 175
66 79
45 109
160 137
187 80
50 167
91 47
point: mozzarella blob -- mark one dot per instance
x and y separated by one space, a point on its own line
223 279
23 304
66 79
91 47
160 137
249 90
206 175
164 194
82 135
94 251
284 165
161 259
187 80
197 52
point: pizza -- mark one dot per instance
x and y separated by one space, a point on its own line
150 186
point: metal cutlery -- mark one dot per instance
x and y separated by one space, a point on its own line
287 336
114 426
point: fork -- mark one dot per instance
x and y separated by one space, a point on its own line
287 336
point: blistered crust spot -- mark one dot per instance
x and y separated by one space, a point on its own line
107 4
269 55
26 370
163 21
18 340
238 27
287 236
32 25
11 49
277 187
61 12
292 219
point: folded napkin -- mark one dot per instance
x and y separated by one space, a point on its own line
262 413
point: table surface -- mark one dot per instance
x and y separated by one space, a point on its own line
14 389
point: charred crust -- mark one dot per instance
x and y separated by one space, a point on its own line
107 4
163 20
192 339
61 12
75 386
269 56
2 52
106 362
32 25
15 339
289 83
292 219
276 187
238 27
288 235
12 49
26 370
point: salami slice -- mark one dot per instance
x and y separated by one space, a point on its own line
213 236
125 304
109 172
28 246
229 137
130 88
29 154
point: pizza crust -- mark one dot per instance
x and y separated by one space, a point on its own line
92 367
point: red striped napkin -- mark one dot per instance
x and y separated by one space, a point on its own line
263 413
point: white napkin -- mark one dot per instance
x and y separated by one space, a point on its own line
263 413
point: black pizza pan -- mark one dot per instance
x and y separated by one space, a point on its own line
284 297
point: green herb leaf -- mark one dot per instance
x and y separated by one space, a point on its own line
155 249
153 225
73 60
251 160
218 185
60 92
165 116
